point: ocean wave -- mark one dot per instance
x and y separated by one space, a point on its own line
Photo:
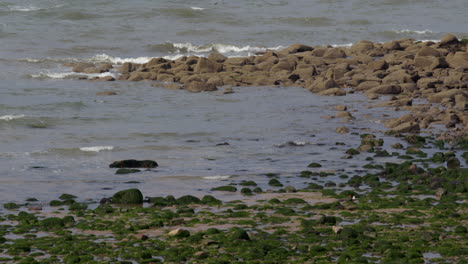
197 8
11 117
409 31
96 148
104 58
28 8
69 75
187 48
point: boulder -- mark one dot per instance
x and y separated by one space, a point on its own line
363 46
448 39
342 130
333 92
385 89
408 127
461 102
238 61
321 84
341 108
334 53
377 65
134 164
283 65
397 77
205 65
197 86
427 51
458 60
367 85
438 97
129 196
429 63
393 45
296 47
128 67
217 57
179 233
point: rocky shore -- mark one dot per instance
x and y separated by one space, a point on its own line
407 70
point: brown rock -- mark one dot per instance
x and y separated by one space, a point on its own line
342 130
106 79
400 76
393 45
321 84
429 63
427 51
448 39
217 57
283 65
385 89
81 67
165 77
378 65
426 83
333 92
197 86
341 108
363 46
205 65
408 127
438 97
128 67
408 87
268 64
334 53
367 85
154 62
458 60
295 48
461 102
319 52
344 114
238 61
138 76
227 90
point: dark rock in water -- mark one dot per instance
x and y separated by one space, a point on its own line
129 182
127 171
105 201
134 164
130 196
453 163
223 144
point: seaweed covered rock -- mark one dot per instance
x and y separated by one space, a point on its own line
130 196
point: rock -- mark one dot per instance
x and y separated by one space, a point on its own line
128 67
200 255
448 39
84 67
295 48
321 84
239 234
393 45
429 63
106 79
438 97
377 65
196 87
344 114
428 51
283 65
367 85
362 46
440 192
142 237
179 233
461 102
458 60
333 92
341 108
385 89
227 90
134 164
408 127
453 163
342 130
334 53
397 77
205 65
237 61
129 196
106 93
217 57
337 229
127 171
290 189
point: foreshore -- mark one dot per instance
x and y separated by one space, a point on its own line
410 211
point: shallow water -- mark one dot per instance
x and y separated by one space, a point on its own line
58 136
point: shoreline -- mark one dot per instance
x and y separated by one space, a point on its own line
410 211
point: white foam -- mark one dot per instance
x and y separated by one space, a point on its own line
10 117
96 148
217 177
23 8
342 45
221 48
104 58
196 8
70 75
408 31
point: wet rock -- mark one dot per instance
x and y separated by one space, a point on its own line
362 46
341 108
321 84
129 196
408 127
438 97
334 53
217 57
429 63
393 45
127 171
378 65
128 67
385 89
205 65
458 60
134 164
428 51
333 92
453 163
344 114
296 47
197 86
342 130
448 39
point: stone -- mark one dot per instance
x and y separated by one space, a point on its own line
142 237
334 53
377 65
296 47
397 77
333 92
217 57
179 233
129 196
128 67
427 51
134 164
342 130
385 89
453 163
200 255
341 108
362 46
197 86
321 84
461 102
408 127
458 60
205 65
448 39
344 114
337 229
367 85
393 45
429 63
438 97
